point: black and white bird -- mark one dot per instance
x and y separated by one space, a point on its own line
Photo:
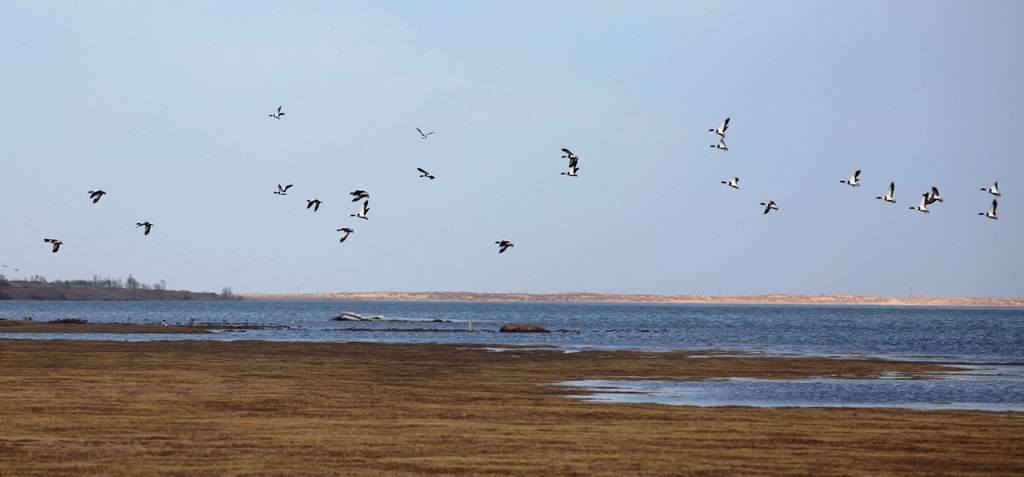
56 244
314 203
854 180
888 197
720 131
363 210
770 206
573 168
567 154
282 190
422 134
148 226
933 196
734 182
345 232
721 145
358 195
504 245
991 212
923 205
277 114
424 173
96 195
994 190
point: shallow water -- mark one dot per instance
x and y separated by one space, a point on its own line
992 389
974 334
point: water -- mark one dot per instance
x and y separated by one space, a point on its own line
1002 390
992 338
969 334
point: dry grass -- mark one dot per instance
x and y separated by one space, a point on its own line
259 408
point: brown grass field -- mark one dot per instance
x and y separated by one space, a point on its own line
263 408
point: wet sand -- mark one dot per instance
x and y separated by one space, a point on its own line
264 408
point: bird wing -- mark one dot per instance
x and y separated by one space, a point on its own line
856 174
993 208
422 171
572 161
935 191
567 152
419 131
924 198
289 186
724 126
892 188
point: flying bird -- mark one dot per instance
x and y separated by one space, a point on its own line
734 183
277 114
422 135
96 195
567 154
358 195
573 168
994 190
720 131
56 244
282 190
345 233
721 145
991 212
148 226
769 206
504 245
853 181
933 196
315 204
363 210
888 194
424 173
923 205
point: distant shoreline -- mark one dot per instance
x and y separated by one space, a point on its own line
765 299
57 291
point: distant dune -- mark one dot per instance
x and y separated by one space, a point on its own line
769 299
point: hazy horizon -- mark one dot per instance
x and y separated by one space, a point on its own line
164 106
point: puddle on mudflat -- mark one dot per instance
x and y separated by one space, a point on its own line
985 388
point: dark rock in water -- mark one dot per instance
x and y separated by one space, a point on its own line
522 328
439 320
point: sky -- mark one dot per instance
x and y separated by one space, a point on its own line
165 106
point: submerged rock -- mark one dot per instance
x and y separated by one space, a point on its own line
348 317
522 328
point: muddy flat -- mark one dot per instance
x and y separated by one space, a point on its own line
25 326
266 408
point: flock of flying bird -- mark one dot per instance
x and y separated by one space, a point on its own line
927 198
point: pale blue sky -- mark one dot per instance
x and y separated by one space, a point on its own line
164 105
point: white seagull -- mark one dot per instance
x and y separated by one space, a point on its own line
345 232
721 145
56 244
363 210
888 194
734 183
933 196
994 190
991 212
504 245
721 129
424 173
277 114
769 206
422 135
282 190
923 205
853 181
